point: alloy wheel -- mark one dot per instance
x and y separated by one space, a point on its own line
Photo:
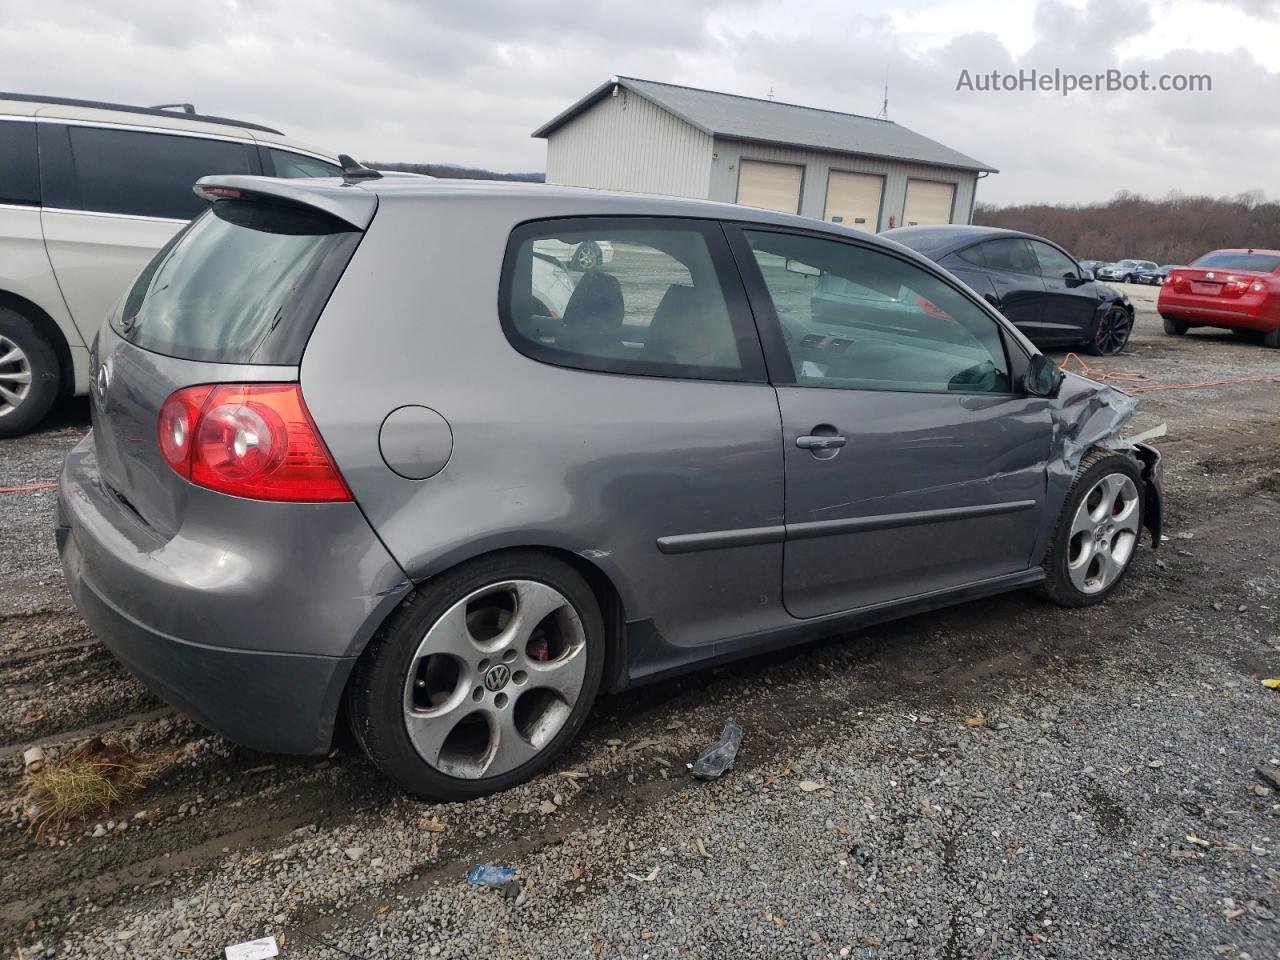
1104 533
587 256
1113 331
15 376
495 679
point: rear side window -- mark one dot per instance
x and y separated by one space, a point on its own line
244 283
288 164
128 172
653 300
19 170
1227 260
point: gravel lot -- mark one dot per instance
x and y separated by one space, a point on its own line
1002 779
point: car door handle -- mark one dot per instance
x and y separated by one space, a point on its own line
820 443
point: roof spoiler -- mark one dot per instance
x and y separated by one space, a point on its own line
355 207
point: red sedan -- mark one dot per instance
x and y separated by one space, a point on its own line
1238 290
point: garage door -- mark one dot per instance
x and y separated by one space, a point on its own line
928 202
853 199
774 186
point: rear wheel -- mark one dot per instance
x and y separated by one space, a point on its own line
1097 533
1272 339
1175 328
1113 332
482 678
29 374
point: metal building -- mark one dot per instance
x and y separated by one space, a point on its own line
650 137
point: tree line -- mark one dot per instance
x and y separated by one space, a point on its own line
1175 229
452 171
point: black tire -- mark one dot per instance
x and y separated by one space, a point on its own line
1128 278
375 694
1175 328
586 256
39 360
1272 339
1112 335
1058 585
1247 336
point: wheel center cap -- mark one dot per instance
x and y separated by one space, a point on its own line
496 677
1100 534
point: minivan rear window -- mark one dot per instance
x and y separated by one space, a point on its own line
243 283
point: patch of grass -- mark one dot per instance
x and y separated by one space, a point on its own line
92 779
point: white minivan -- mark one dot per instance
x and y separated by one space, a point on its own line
88 193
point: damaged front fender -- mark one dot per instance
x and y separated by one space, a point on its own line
1091 415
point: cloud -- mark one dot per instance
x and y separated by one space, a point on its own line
467 83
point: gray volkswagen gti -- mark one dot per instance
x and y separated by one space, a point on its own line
345 458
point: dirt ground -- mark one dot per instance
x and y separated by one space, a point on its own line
1159 687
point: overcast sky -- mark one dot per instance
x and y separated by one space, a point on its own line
467 81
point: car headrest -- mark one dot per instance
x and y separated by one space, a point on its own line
595 304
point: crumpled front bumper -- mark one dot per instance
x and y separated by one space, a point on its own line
1153 478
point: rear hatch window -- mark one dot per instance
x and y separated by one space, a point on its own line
243 283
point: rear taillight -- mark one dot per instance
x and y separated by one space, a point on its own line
251 440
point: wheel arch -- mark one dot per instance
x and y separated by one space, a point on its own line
602 583
48 328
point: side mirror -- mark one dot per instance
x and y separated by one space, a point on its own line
1087 275
1043 377
802 268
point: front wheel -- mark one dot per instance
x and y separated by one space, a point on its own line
482 678
1113 332
1097 533
587 256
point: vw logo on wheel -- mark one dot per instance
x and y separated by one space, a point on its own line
496 678
101 383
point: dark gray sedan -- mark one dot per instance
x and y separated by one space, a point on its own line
345 459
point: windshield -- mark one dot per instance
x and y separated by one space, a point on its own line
243 283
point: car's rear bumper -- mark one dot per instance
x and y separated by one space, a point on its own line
1214 312
199 617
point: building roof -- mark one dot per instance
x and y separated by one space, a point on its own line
771 121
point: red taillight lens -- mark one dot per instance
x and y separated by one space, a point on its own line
177 426
251 440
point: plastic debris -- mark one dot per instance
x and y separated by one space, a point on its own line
33 759
253 949
653 875
1272 684
809 786
719 757
489 875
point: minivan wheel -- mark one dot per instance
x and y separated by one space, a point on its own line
1097 533
482 678
1175 328
587 256
1113 332
29 374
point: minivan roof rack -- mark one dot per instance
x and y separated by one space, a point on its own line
187 110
